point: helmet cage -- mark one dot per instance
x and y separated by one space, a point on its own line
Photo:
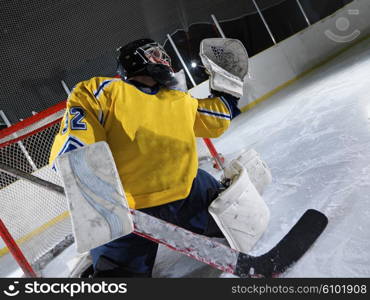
153 53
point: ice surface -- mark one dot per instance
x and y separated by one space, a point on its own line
315 137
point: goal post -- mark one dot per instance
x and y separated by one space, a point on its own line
16 251
36 220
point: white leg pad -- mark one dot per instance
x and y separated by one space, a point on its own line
257 169
240 212
95 196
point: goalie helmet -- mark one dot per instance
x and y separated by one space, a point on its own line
145 57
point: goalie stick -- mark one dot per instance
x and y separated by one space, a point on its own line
276 261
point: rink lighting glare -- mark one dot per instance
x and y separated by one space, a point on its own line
193 65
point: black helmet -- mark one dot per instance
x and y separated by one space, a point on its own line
145 57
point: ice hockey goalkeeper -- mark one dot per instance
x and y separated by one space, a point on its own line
151 129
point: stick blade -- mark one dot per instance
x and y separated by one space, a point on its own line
96 199
289 250
298 240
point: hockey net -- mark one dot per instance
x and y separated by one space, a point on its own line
37 219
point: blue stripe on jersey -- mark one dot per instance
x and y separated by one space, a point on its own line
227 105
102 86
214 114
71 143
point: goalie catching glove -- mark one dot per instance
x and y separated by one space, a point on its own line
226 61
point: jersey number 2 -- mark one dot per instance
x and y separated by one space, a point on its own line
78 115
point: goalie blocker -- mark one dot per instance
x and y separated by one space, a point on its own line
239 211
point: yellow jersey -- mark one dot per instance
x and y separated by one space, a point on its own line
152 134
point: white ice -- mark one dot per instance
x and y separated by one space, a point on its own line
315 137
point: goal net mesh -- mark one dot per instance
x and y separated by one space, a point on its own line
36 218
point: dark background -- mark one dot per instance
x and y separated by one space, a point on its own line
45 41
